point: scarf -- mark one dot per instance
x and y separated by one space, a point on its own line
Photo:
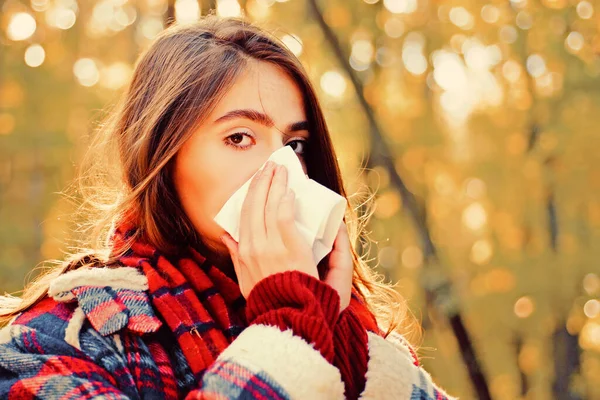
201 305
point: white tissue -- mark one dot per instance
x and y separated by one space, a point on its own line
319 211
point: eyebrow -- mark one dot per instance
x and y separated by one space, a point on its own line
261 118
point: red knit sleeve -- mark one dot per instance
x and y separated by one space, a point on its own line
351 345
310 307
298 301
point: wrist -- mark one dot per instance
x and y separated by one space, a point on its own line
297 290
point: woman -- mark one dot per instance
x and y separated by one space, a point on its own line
169 306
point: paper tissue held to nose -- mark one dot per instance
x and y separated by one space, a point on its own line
319 211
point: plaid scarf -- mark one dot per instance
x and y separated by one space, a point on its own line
201 305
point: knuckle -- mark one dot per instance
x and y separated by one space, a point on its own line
270 211
281 252
260 250
285 218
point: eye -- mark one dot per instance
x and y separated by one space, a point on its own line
236 140
298 145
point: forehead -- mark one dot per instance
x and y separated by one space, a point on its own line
266 88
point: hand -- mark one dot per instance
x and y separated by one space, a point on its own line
269 239
340 266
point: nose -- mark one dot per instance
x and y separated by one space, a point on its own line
276 139
274 147
277 142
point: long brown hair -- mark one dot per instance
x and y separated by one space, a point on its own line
177 81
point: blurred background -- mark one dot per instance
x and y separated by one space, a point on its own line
474 121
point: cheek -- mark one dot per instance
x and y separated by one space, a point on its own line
197 186
204 181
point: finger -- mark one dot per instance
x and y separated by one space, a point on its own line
286 222
276 192
232 247
342 239
342 245
244 212
252 221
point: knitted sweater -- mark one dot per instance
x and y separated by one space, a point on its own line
97 335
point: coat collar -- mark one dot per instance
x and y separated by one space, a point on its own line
110 298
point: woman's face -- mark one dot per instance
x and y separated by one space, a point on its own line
263 111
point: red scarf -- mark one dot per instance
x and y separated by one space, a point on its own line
201 305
